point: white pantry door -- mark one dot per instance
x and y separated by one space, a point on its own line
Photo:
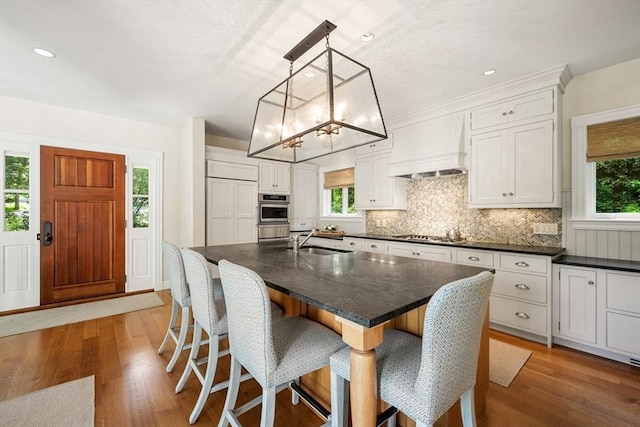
19 247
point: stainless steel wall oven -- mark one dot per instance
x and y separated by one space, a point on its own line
273 216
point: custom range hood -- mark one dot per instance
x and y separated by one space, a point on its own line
429 148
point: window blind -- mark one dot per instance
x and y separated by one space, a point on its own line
339 178
615 140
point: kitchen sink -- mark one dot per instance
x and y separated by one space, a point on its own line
317 250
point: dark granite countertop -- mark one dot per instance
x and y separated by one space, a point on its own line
504 247
366 288
607 264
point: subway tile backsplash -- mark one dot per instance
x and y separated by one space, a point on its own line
437 204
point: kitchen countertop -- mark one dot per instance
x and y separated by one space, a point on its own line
363 287
604 263
504 247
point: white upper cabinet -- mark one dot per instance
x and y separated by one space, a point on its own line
374 147
274 177
514 110
374 188
304 197
514 167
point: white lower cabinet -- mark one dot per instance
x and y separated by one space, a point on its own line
521 292
325 242
598 310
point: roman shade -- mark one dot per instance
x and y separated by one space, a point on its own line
615 140
339 178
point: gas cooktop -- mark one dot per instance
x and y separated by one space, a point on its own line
425 238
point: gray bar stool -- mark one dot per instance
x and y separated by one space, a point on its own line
275 353
424 377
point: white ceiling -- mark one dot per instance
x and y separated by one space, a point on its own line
165 61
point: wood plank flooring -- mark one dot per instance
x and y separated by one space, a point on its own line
556 387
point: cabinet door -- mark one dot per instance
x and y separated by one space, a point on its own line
531 173
578 304
363 182
489 163
281 178
536 104
246 212
491 115
265 178
221 195
382 183
310 197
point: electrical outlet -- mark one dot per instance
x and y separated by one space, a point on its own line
545 228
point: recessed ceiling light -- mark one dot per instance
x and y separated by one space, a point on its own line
44 52
367 37
489 72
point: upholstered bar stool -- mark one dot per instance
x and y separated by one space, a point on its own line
210 315
180 301
275 353
424 377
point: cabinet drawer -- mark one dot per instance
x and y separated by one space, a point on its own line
622 333
523 263
374 245
484 259
519 315
511 111
350 243
426 252
519 285
623 292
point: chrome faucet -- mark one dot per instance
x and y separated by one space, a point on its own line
297 244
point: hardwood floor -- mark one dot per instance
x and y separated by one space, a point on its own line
556 387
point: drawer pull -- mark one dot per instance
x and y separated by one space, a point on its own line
522 315
474 258
374 247
591 282
352 243
522 286
522 264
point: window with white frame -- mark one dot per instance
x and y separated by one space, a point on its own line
606 170
339 193
16 191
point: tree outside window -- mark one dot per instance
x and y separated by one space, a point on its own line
16 192
618 186
343 200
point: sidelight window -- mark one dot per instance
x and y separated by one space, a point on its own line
16 192
140 192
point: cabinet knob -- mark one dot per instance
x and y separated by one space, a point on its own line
504 194
504 113
418 253
522 315
522 264
510 111
591 282
522 286
413 253
352 243
474 258
511 194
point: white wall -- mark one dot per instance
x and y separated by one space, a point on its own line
192 183
31 118
601 90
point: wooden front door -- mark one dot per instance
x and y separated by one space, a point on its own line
82 230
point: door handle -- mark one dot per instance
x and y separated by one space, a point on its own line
47 230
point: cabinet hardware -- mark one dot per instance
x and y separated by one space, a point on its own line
522 286
352 243
511 112
413 253
418 253
504 194
522 264
511 194
522 315
474 258
504 113
374 247
591 282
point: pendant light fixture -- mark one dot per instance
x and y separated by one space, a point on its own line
328 105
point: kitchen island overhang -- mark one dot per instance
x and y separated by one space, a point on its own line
363 287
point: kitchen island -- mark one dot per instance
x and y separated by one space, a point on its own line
363 290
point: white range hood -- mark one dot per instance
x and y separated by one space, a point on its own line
432 147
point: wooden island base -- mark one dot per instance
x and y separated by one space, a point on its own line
362 341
